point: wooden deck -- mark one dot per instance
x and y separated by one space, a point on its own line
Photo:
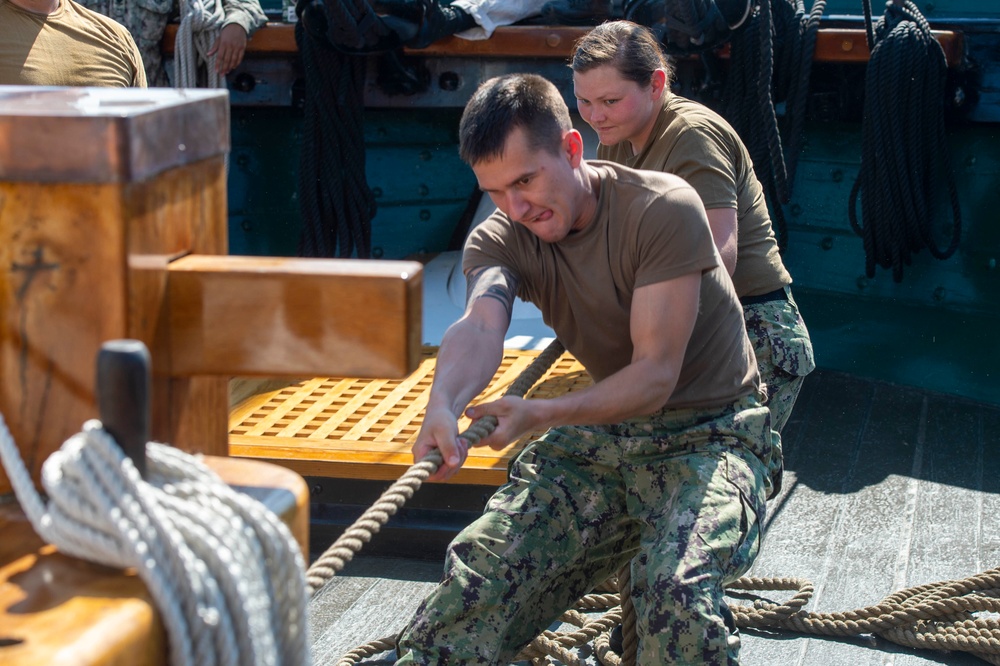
885 487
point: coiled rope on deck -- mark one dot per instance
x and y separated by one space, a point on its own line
904 162
225 573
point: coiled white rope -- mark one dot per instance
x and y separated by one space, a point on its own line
201 21
225 573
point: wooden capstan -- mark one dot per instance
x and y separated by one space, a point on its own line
113 225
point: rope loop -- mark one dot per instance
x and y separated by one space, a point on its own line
225 573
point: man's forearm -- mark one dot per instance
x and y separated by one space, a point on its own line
467 360
639 389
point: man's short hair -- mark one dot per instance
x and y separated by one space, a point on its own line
504 103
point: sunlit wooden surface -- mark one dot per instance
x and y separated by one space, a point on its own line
363 429
288 316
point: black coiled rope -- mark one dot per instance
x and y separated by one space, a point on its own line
904 161
335 201
771 60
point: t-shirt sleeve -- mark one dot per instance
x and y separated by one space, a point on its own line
701 158
488 244
674 238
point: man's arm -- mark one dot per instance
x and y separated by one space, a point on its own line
662 318
724 233
242 18
470 353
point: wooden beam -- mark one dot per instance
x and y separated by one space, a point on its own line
842 45
268 316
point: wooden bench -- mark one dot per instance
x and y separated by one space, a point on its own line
352 428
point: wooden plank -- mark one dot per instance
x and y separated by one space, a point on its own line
61 611
530 41
83 260
270 316
371 599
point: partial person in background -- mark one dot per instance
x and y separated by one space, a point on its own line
61 43
622 85
235 21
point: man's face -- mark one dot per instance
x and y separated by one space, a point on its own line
536 188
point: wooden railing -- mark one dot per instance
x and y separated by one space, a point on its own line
842 45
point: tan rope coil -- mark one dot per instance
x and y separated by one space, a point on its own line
937 616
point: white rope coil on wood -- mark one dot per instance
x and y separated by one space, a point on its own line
201 21
225 573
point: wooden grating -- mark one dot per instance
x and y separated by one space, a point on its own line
363 428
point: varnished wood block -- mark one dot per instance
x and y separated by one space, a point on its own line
58 610
363 429
297 317
98 187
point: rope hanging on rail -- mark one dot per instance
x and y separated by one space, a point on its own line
770 62
224 572
201 22
335 201
905 170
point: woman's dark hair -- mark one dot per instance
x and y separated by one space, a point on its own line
504 103
630 48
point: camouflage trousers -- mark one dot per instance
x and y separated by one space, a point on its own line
784 357
680 496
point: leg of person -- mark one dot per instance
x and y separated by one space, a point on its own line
784 352
701 500
784 357
547 537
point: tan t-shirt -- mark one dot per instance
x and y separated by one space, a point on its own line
645 232
72 46
697 144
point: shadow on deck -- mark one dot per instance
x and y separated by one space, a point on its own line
885 487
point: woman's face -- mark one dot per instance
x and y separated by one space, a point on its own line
617 108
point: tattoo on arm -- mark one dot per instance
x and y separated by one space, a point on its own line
494 282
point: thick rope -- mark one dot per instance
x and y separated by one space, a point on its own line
937 616
201 21
335 201
331 562
771 61
905 181
630 640
225 573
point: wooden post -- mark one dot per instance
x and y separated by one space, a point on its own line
113 225
93 182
